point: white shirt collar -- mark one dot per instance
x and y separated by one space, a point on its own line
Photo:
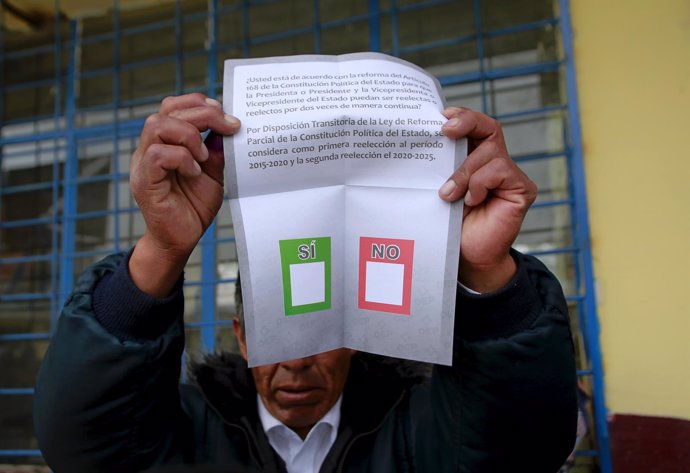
298 455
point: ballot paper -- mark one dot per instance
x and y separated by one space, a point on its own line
332 181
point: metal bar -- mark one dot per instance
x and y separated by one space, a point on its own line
212 282
55 182
486 34
395 35
115 159
521 28
33 138
344 21
316 26
22 337
29 52
205 325
33 84
246 37
374 25
42 148
22 120
130 66
25 297
267 38
42 186
208 289
476 14
552 203
20 453
16 391
71 169
424 5
140 29
90 254
98 178
208 244
2 98
26 223
103 213
533 111
554 251
178 48
96 130
441 43
502 73
25 259
582 235
521 158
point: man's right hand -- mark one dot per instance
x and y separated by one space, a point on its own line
178 183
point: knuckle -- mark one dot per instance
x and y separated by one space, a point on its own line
531 191
168 102
461 176
494 124
153 121
492 149
154 154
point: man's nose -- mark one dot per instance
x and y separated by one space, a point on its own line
298 363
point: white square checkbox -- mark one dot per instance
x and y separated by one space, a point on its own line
384 283
308 283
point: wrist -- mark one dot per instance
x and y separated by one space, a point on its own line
155 270
484 278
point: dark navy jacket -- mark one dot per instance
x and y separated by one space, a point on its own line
108 399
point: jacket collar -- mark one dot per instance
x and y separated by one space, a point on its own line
375 384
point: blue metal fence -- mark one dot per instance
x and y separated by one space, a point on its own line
63 134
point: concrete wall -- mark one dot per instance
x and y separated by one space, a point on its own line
633 73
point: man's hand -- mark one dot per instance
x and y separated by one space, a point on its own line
178 183
497 195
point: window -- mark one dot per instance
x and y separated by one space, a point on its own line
74 95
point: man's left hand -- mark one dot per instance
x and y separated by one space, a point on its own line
497 195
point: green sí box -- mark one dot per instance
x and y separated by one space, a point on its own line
306 270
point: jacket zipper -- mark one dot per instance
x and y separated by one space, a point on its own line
341 463
235 425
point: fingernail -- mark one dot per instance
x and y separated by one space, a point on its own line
204 152
447 188
197 169
452 123
231 120
214 102
468 198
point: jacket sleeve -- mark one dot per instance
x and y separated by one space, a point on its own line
107 399
509 401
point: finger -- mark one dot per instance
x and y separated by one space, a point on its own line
206 117
200 111
464 122
180 102
501 176
160 128
160 159
456 186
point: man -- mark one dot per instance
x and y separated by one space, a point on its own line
107 397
